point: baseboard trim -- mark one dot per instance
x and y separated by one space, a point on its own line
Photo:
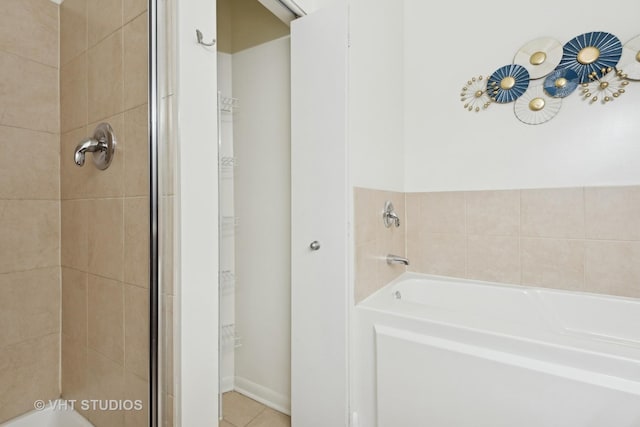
268 397
227 384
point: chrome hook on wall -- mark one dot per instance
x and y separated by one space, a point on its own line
200 38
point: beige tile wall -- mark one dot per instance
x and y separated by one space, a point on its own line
373 241
29 205
583 239
103 77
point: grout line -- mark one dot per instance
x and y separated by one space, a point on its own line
24 58
406 229
29 200
584 249
37 337
264 408
46 267
31 130
520 234
90 199
466 237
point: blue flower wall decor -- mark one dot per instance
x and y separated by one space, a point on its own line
596 62
561 83
590 52
508 83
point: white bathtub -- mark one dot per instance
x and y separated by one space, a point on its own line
440 352
56 414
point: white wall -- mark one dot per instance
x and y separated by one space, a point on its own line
448 148
197 355
262 144
376 152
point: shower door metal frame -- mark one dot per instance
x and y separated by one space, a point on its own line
154 257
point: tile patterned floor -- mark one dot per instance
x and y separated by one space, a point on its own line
240 411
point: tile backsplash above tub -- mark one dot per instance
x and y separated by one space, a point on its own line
373 241
582 239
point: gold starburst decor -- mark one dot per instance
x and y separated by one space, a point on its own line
474 94
605 86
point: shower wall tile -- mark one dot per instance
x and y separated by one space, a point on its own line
133 8
73 29
30 294
74 368
442 254
105 213
439 213
105 381
136 389
28 372
29 93
106 318
373 241
581 239
30 305
613 213
75 234
104 17
73 93
553 263
105 76
613 267
33 151
40 19
136 62
555 213
136 333
106 238
136 241
493 258
74 304
413 213
136 156
30 234
493 213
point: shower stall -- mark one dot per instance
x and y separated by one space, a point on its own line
86 213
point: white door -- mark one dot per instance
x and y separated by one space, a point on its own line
319 381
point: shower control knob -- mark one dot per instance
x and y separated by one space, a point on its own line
315 245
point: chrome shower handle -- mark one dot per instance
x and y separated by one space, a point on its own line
88 145
102 145
389 216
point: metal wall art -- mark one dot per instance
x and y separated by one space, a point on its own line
544 71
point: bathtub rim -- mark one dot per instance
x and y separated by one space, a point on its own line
625 350
408 275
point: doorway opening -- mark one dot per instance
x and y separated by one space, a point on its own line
254 92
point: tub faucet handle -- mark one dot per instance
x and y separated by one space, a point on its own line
389 216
